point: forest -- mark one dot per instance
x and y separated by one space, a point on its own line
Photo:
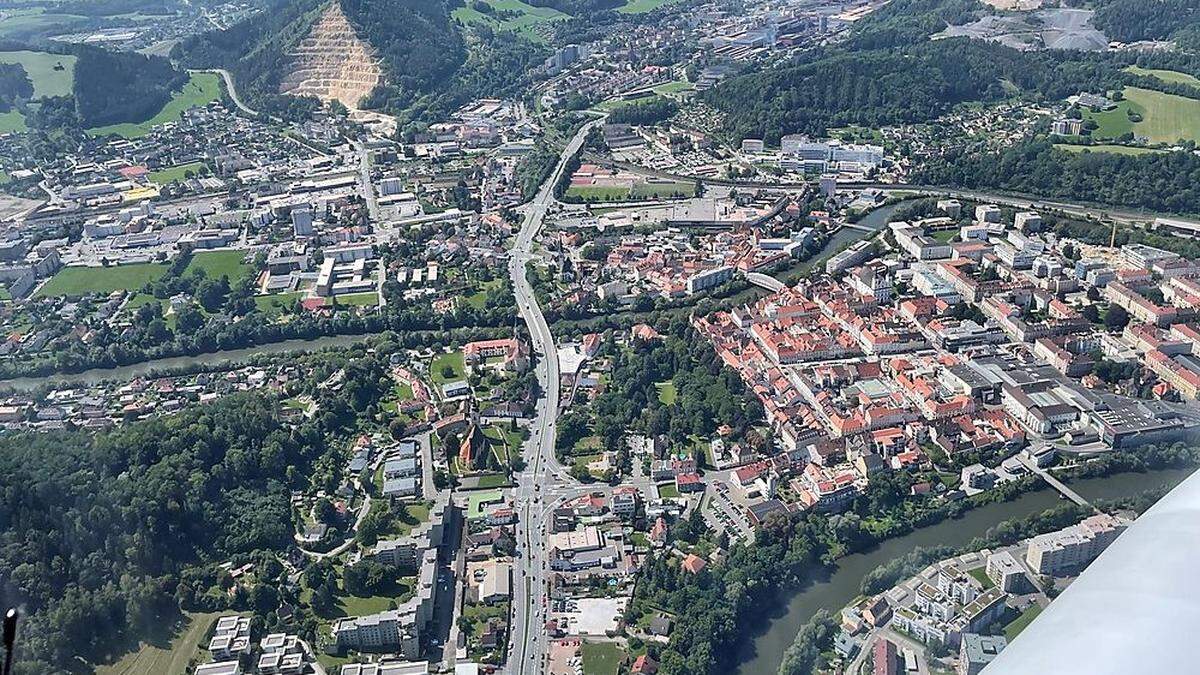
14 85
1168 181
895 86
112 87
95 530
1136 20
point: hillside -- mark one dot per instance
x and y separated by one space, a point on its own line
409 58
333 63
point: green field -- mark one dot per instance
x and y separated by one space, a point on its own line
12 120
1014 628
602 658
666 392
1166 118
217 264
22 24
1172 76
454 360
40 66
76 281
174 173
1109 148
615 103
980 574
645 191
370 299
642 6
526 19
668 88
153 659
202 89
275 304
668 491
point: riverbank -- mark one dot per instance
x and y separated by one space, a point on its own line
175 363
761 651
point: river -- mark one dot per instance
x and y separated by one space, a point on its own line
762 650
95 375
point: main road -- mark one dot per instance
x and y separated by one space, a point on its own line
543 475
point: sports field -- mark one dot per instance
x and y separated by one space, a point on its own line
51 74
77 281
174 173
644 191
217 264
1166 118
202 89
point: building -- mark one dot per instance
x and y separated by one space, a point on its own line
1003 569
886 658
976 651
1072 548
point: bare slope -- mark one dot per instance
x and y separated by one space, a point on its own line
332 62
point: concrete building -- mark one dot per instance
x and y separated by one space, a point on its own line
1072 548
1003 569
976 651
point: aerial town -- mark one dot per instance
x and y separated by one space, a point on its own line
624 370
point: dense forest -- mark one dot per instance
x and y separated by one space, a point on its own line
95 530
112 87
895 86
1159 181
1134 20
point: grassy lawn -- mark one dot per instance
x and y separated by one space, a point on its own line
477 501
943 236
274 304
492 480
12 120
479 297
217 264
1172 76
454 360
173 658
40 66
370 299
641 6
666 392
601 658
667 491
525 21
1014 628
174 173
1107 147
1166 118
403 391
980 573
75 281
202 89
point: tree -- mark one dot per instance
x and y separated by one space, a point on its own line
1117 318
188 319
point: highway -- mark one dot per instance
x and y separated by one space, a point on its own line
543 474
